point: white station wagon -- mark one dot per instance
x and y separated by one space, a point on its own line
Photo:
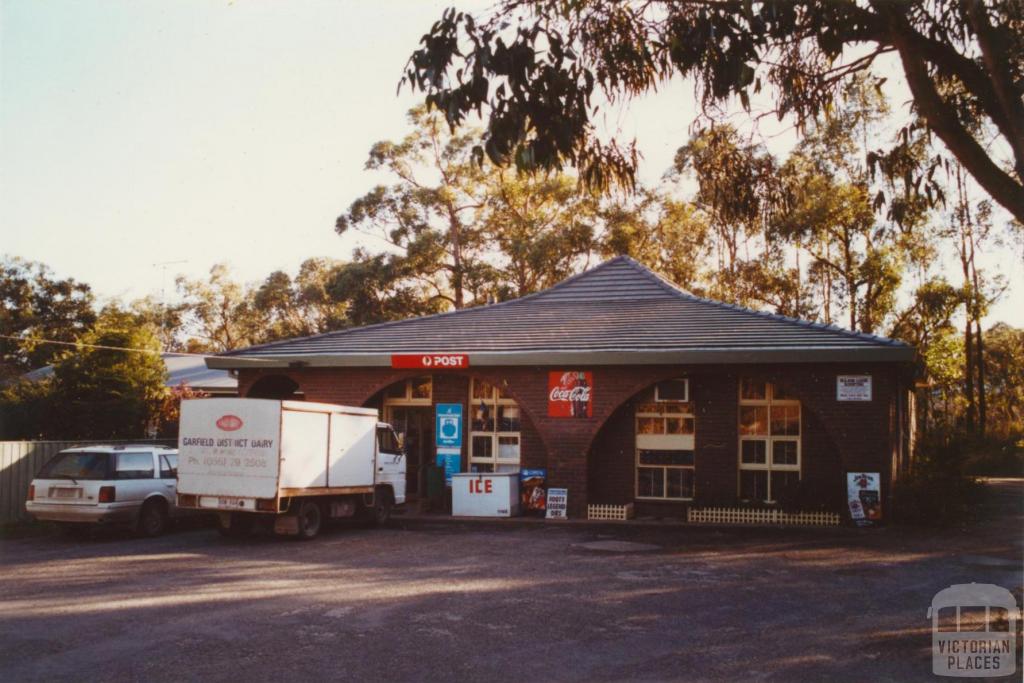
132 485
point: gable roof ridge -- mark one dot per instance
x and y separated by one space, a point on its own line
388 323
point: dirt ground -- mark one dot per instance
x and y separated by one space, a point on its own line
425 600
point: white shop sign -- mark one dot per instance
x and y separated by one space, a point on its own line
558 503
485 495
853 388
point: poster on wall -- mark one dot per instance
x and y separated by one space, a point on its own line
532 492
864 495
570 393
448 430
853 388
557 504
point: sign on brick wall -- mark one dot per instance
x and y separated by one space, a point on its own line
430 361
853 388
570 394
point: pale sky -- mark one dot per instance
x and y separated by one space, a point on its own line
140 133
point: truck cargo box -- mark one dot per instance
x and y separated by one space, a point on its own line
234 451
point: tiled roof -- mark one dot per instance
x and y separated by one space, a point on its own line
618 308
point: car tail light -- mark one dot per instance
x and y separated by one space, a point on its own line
266 504
186 500
107 494
31 491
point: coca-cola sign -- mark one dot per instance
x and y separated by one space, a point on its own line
570 394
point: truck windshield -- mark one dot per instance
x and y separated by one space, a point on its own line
81 465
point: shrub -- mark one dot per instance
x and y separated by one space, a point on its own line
938 492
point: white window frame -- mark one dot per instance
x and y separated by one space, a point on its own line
407 399
496 401
769 440
664 442
659 399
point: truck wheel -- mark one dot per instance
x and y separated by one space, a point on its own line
381 510
152 519
310 520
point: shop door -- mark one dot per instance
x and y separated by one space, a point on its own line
415 428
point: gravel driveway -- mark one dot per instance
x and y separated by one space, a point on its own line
424 599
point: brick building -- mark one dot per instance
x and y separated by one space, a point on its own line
625 388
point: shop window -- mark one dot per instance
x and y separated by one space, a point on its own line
665 443
494 440
411 392
769 427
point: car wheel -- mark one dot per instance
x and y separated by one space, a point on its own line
152 519
310 520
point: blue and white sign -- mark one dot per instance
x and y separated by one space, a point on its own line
450 459
449 425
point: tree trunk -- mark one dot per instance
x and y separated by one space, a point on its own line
979 348
969 372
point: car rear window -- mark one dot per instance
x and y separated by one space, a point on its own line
80 465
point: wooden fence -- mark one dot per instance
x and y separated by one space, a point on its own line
21 460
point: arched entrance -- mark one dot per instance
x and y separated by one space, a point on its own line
498 432
280 387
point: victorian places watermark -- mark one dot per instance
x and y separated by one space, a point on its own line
974 631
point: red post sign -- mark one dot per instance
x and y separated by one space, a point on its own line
570 394
430 361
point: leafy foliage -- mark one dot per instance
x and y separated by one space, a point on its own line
35 306
537 68
106 393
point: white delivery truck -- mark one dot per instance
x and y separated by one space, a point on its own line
291 463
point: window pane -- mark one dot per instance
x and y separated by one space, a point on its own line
751 390
781 394
973 618
753 485
483 417
395 391
650 482
785 420
421 387
82 465
508 418
483 447
753 452
784 452
648 408
660 457
134 466
998 619
650 425
508 448
168 469
680 483
481 467
679 425
672 390
482 390
784 483
753 420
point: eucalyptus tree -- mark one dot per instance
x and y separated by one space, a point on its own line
540 70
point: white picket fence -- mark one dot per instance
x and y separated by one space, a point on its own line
760 516
21 460
612 512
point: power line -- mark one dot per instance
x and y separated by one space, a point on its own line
102 346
